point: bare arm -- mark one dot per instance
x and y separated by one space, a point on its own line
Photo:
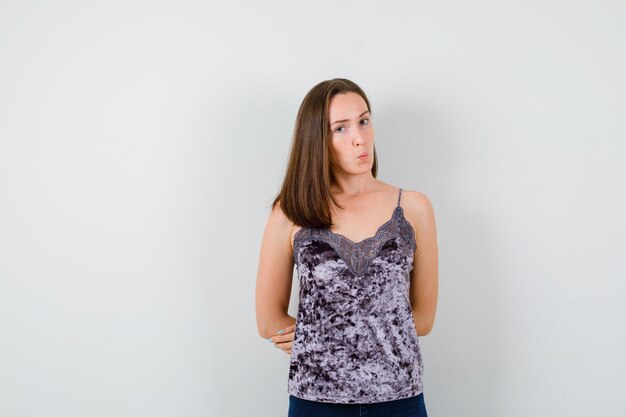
425 272
274 276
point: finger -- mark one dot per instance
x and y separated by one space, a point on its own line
283 334
285 345
289 329
282 338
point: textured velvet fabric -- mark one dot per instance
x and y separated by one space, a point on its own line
355 338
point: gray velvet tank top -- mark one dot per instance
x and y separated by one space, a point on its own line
355 339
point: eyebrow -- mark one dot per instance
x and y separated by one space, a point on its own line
345 120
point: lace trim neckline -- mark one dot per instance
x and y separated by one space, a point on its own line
367 239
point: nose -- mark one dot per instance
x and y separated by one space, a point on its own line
357 138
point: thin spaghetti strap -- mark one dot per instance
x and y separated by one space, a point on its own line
399 195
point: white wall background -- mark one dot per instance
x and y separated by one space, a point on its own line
141 144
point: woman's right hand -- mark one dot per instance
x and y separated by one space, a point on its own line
284 338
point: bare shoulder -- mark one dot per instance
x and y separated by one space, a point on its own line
419 211
279 220
416 201
279 228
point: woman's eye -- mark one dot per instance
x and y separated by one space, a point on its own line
363 123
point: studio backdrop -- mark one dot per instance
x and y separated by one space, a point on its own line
141 145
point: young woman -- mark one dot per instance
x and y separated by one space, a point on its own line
367 261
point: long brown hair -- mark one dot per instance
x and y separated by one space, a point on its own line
305 196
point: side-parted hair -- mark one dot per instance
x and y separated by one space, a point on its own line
305 196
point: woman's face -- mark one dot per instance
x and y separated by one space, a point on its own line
351 134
